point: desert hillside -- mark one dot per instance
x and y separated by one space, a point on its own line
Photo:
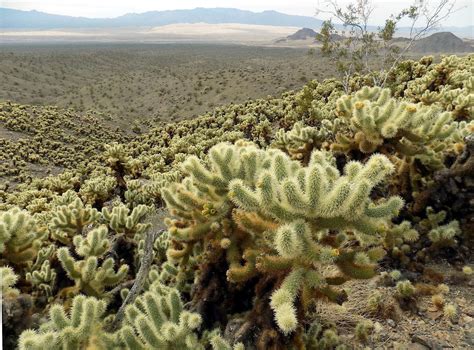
327 216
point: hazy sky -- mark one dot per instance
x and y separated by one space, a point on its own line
113 8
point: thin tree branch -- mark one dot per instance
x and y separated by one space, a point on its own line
139 280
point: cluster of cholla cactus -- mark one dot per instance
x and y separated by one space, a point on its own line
70 219
81 328
381 123
49 136
125 221
300 141
276 215
440 235
20 236
398 240
448 84
93 271
41 275
157 320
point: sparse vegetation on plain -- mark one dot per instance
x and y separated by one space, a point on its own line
151 82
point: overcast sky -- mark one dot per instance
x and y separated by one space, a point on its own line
113 8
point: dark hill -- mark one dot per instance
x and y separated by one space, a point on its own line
303 34
442 42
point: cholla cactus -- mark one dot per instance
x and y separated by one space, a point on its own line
81 329
20 236
219 343
284 215
316 339
118 159
97 189
441 235
69 220
363 329
378 121
448 84
63 182
300 141
318 194
93 273
43 279
398 238
116 154
405 289
450 311
123 222
138 192
7 280
157 320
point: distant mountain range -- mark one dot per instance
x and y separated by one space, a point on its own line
10 18
17 19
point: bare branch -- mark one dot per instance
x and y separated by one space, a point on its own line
139 280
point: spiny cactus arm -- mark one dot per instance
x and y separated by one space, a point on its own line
282 301
219 343
251 201
253 223
348 264
5 236
122 221
444 235
90 276
106 275
378 121
385 208
290 239
334 201
43 254
195 168
242 196
193 233
8 279
127 334
31 340
68 263
94 244
272 263
176 253
44 278
238 272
